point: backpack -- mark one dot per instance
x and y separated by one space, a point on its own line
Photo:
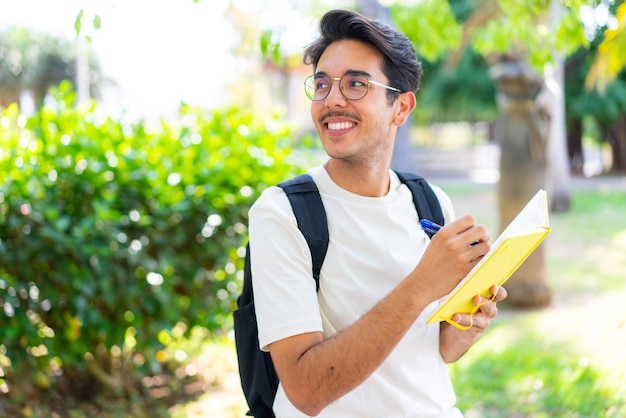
259 380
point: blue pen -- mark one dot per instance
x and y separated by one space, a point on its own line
429 226
432 228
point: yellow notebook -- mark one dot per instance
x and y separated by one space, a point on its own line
508 252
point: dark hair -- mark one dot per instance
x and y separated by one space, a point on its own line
401 66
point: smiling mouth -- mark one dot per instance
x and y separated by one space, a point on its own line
338 126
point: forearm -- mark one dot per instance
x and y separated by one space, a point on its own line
330 368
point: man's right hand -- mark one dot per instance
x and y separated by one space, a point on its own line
452 253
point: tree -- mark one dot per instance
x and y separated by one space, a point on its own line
523 137
33 62
517 39
592 111
611 58
606 68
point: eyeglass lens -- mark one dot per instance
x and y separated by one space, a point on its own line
353 86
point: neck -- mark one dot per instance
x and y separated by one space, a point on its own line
371 181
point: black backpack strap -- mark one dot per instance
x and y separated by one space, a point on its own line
308 208
424 198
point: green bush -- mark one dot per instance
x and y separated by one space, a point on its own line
116 238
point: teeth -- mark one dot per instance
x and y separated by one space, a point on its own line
340 125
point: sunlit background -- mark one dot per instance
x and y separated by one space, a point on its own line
157 53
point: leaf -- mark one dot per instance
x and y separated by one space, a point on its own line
97 22
77 21
264 42
63 223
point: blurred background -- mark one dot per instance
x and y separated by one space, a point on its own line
134 136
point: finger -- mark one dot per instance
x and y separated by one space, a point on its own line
499 292
502 293
462 224
477 234
477 321
495 289
462 319
489 309
486 305
478 251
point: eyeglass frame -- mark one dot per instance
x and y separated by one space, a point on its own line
351 74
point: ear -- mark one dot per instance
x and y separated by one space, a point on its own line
404 105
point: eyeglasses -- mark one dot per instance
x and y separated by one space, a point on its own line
352 86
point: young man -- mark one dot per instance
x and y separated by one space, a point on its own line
360 346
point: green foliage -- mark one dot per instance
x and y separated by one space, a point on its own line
604 107
523 28
112 235
517 27
430 25
463 93
78 22
570 35
611 59
269 44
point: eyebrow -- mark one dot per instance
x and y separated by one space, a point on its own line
348 72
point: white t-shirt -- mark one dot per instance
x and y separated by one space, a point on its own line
374 243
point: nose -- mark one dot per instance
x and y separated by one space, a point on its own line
335 95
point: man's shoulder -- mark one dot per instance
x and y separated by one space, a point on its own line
272 199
